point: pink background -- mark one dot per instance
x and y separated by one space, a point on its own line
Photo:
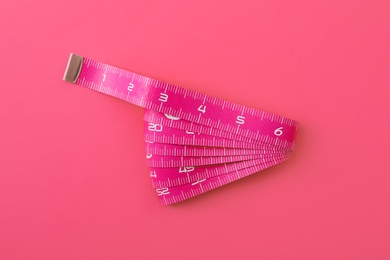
73 177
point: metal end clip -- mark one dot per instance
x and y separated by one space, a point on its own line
73 68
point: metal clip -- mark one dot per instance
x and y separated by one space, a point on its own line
73 68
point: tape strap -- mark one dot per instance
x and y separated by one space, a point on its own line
185 104
194 142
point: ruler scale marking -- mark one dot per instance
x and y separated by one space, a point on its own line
194 142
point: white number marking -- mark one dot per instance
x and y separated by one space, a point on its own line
202 109
130 87
153 174
148 156
240 120
186 169
155 127
162 191
278 131
190 133
197 182
172 117
104 77
163 97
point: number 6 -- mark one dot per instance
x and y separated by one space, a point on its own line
278 131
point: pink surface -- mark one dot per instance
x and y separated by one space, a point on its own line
73 177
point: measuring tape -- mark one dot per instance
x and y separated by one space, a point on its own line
194 143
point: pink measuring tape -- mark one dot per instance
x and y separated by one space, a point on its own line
194 143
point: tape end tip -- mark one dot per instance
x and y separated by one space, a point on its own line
73 68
